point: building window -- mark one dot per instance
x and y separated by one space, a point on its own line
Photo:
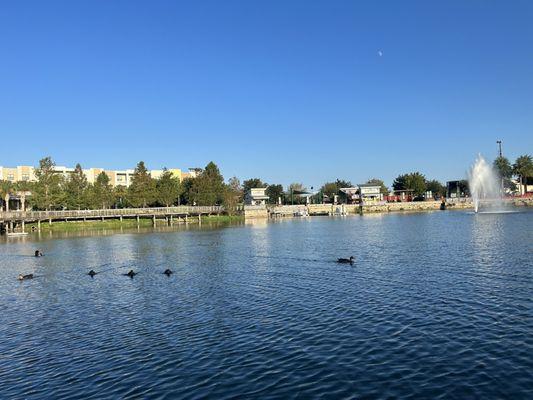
25 177
11 177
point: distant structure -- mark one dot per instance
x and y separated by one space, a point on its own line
24 173
256 197
370 193
365 192
456 189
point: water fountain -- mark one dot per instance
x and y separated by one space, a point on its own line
484 184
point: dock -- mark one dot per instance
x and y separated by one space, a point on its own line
15 221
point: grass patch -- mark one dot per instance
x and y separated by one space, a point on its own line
62 226
76 225
222 218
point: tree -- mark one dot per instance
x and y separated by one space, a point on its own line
378 182
47 193
5 188
235 186
232 195
294 190
76 189
523 167
142 190
274 192
185 195
208 188
252 183
437 188
400 182
414 182
504 169
120 197
101 192
168 188
330 189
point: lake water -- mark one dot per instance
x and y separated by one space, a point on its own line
437 305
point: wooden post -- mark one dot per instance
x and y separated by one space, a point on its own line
23 226
200 219
49 221
153 220
186 219
138 221
171 220
39 225
121 219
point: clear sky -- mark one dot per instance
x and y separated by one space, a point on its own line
289 91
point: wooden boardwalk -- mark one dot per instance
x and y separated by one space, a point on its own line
16 220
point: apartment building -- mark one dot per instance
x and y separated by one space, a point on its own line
116 177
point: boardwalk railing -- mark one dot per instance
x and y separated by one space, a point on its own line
118 212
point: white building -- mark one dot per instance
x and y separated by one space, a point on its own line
256 197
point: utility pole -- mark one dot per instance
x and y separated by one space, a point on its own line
499 142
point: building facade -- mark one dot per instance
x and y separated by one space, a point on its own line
25 173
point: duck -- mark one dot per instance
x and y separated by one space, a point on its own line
131 274
24 277
38 253
92 273
346 260
168 272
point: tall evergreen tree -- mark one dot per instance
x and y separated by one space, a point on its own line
76 189
185 194
168 189
208 189
102 192
47 193
142 191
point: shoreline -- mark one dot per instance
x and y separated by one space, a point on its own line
267 213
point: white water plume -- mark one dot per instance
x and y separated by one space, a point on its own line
484 183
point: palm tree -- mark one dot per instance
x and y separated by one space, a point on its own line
5 188
523 167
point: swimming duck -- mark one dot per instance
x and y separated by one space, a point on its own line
24 277
346 260
38 253
92 273
168 272
131 274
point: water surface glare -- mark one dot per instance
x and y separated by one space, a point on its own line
437 305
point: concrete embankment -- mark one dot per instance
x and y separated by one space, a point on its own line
347 209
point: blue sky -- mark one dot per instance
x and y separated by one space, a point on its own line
289 91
